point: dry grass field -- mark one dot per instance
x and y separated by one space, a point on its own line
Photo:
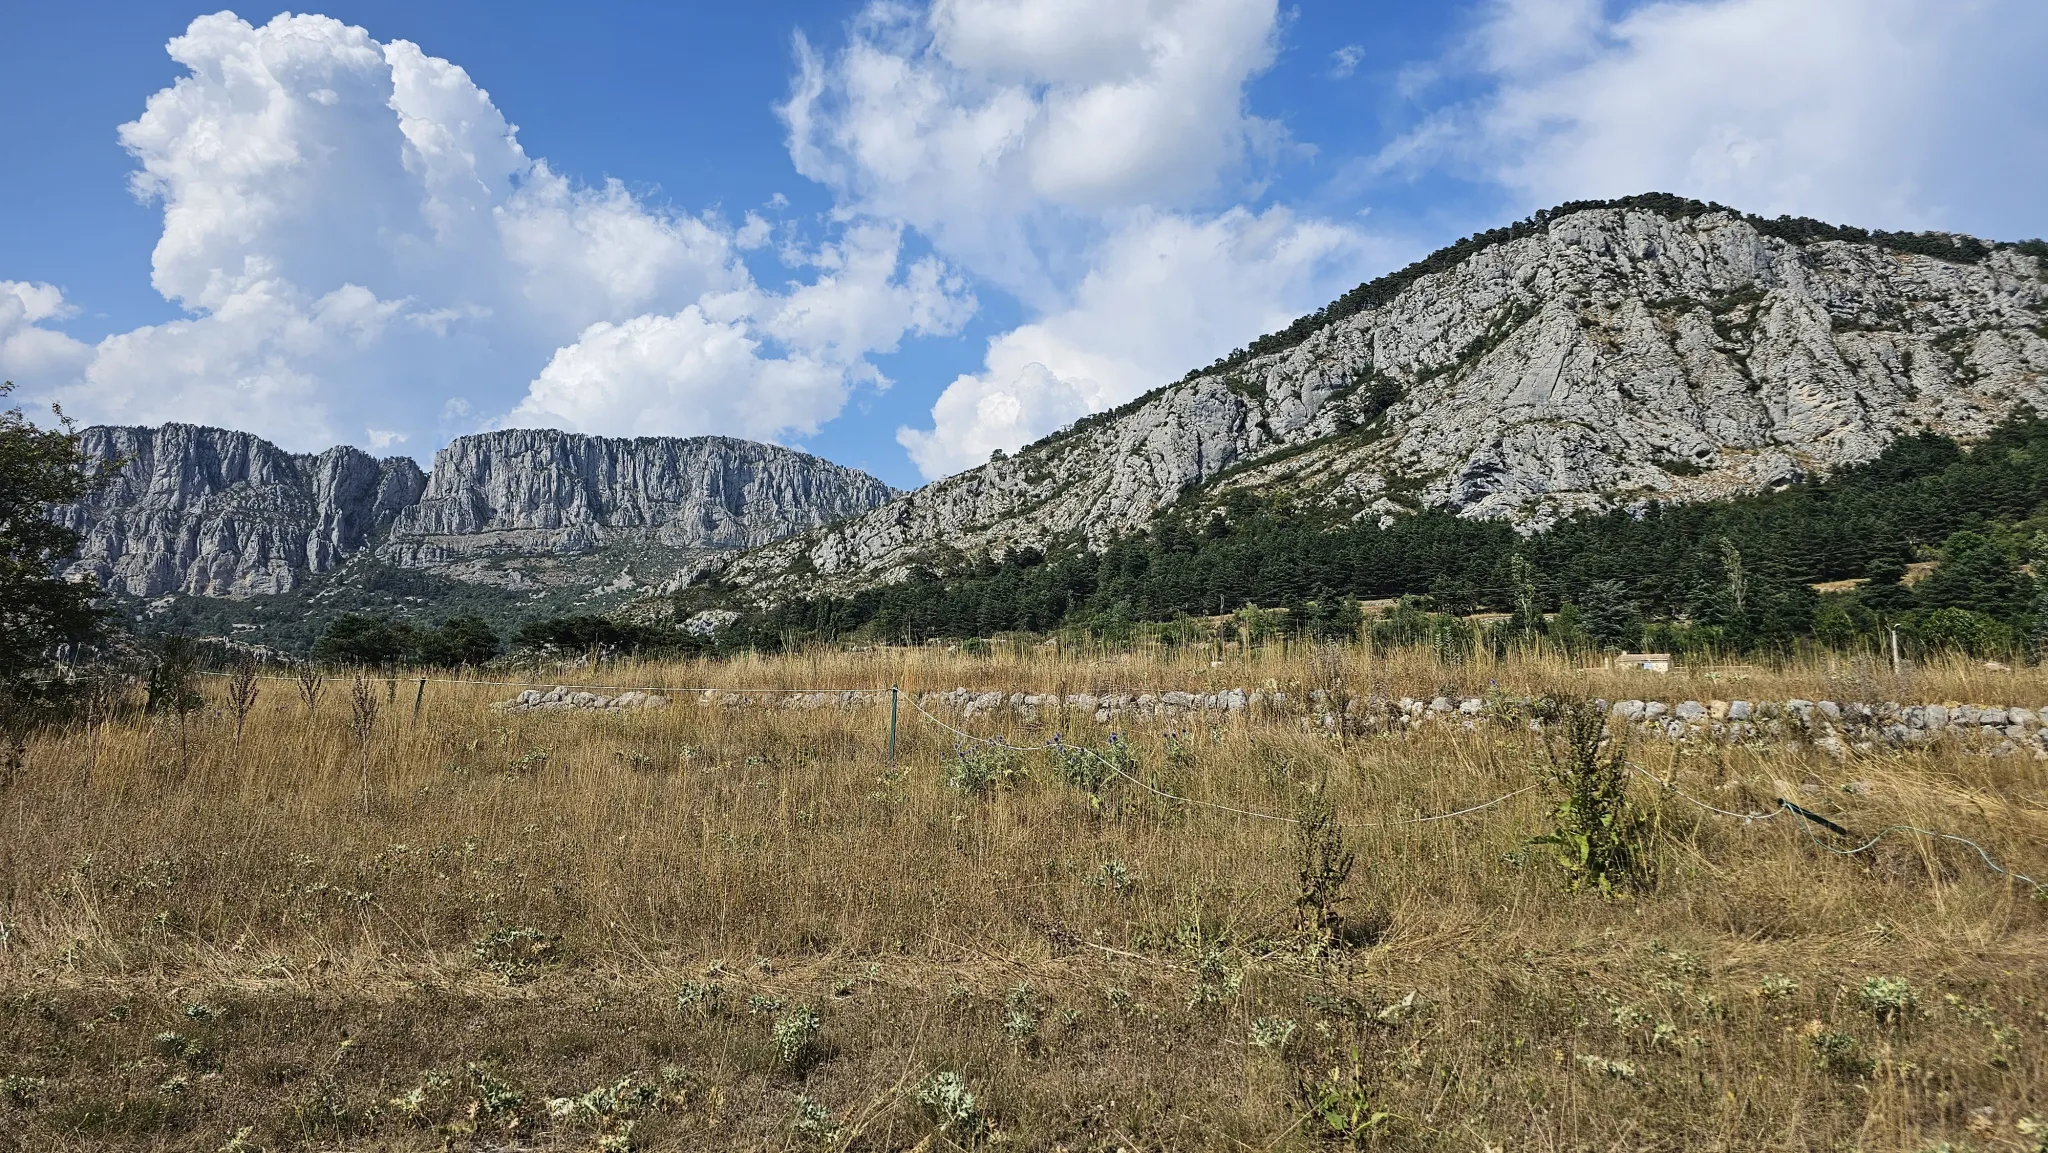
711 928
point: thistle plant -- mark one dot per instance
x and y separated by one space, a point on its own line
1020 1013
977 769
794 1037
946 1099
1888 999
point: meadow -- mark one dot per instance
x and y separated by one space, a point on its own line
350 924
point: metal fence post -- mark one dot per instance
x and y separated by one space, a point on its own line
417 699
892 724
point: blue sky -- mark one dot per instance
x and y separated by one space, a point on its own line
900 235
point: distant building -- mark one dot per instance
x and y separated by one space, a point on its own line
1647 662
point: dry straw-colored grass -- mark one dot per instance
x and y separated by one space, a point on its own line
513 918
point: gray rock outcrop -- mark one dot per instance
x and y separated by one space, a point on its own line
539 491
209 512
1612 357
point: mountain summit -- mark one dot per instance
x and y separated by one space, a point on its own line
1593 356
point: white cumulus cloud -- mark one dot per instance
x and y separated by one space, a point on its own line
707 368
1885 113
997 127
1168 293
29 351
1096 161
357 236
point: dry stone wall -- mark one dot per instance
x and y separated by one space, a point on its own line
1833 727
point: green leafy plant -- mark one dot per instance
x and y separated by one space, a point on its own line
21 1091
1888 999
1838 1053
946 1099
1093 770
814 1124
1020 1013
517 954
978 769
794 1037
1114 876
1271 1033
1340 1104
1601 838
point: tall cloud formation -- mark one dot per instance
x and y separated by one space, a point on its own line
1890 113
1092 160
357 234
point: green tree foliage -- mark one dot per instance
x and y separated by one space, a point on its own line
39 470
1729 576
1976 573
459 641
582 634
357 639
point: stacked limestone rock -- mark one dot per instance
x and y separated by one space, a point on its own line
1999 730
1827 725
559 699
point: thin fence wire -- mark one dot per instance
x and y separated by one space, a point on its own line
1178 799
588 688
1785 806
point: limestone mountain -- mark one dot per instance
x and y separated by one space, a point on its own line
518 508
1593 356
207 512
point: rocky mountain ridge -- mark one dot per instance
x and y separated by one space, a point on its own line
1610 355
209 512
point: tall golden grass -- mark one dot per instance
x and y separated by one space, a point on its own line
420 932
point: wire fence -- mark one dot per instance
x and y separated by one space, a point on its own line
1808 823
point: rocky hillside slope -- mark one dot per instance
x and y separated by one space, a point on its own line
212 513
1593 356
209 512
506 507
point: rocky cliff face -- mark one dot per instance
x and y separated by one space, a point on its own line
497 499
209 512
1608 356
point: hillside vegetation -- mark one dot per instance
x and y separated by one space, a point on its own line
349 924
1728 576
